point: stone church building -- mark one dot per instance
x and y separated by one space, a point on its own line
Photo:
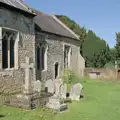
34 45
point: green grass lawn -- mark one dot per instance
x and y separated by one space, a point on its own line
101 102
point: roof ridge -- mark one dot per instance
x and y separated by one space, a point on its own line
66 27
19 5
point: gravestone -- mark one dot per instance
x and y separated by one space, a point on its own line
94 75
49 85
56 102
63 91
75 92
37 86
58 83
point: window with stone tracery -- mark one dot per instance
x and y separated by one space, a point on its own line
9 46
38 58
67 56
42 57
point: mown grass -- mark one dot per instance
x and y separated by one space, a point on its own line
101 102
10 113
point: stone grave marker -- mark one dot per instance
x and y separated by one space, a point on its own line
75 92
58 83
63 90
55 102
23 99
28 76
49 85
37 86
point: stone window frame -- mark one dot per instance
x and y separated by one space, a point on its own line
45 55
16 61
70 51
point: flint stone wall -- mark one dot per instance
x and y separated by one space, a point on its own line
26 45
55 54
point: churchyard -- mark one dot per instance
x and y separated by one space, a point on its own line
101 102
42 70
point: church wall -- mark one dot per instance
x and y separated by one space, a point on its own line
26 45
77 63
55 53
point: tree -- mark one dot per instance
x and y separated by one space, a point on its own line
83 35
117 48
101 58
113 55
95 50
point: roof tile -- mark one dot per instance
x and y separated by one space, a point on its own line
19 4
48 24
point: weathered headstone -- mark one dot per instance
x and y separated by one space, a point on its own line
63 91
94 75
55 102
75 92
37 86
58 83
49 85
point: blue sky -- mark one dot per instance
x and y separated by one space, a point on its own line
102 16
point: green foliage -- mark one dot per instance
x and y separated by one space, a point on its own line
67 76
70 77
95 51
101 58
70 23
117 48
109 65
113 55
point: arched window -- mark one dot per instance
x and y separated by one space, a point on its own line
38 57
9 48
41 53
67 56
43 58
5 52
12 53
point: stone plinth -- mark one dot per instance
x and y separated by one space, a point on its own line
23 101
57 103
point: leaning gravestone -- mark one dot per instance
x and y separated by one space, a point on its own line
63 91
49 85
75 92
37 86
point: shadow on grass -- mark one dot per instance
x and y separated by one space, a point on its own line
2 116
81 96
